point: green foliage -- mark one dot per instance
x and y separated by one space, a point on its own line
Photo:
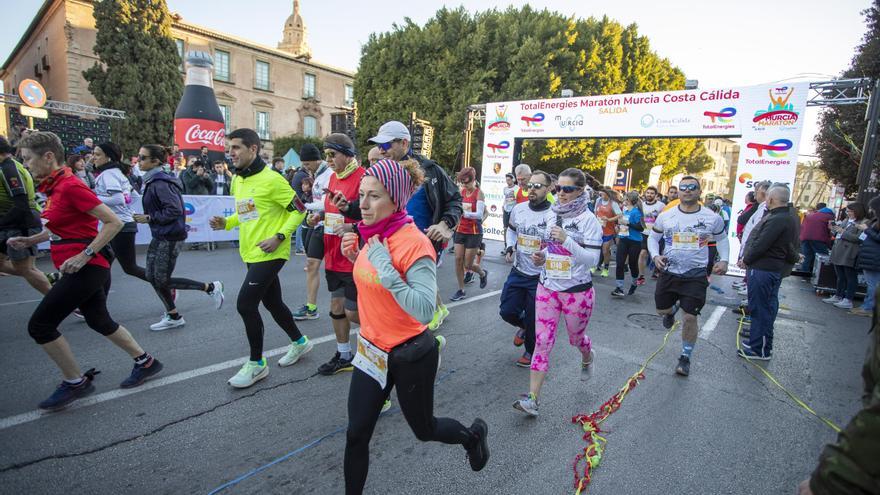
842 128
139 70
458 59
281 145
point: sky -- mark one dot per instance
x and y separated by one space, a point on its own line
719 43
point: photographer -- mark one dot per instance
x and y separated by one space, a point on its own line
196 180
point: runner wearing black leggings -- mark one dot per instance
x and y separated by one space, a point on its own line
77 249
163 211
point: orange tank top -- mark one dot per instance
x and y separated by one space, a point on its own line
603 211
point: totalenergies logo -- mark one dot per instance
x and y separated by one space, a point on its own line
725 116
776 148
744 177
188 210
779 111
533 121
499 147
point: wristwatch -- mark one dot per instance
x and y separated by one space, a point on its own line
280 236
89 252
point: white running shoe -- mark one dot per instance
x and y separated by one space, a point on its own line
167 322
294 352
844 304
217 294
528 404
249 374
385 406
831 300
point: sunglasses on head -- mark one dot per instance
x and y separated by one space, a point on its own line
387 146
688 187
568 189
535 185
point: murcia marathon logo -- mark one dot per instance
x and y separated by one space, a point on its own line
532 123
722 119
775 149
779 112
499 123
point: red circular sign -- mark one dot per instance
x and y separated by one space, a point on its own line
32 93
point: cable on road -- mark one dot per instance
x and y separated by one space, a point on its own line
592 453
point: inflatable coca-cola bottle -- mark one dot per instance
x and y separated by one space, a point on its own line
198 121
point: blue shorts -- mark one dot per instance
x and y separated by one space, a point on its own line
606 238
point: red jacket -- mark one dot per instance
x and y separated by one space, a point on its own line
815 227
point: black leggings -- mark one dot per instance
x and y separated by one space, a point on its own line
261 284
161 259
415 391
126 254
628 248
84 290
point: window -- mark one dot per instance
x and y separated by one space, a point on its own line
221 65
180 48
261 75
310 127
263 125
227 117
349 95
309 86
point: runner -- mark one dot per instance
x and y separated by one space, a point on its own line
570 247
78 250
523 173
651 206
395 274
607 211
314 244
509 201
528 223
631 232
163 211
343 186
19 217
267 213
686 231
469 233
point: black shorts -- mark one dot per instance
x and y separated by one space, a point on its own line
18 254
315 247
341 284
470 241
689 293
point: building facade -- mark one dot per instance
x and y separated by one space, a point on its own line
718 181
811 186
276 91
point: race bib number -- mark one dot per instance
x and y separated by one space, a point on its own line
688 241
466 206
332 223
528 244
246 210
558 266
372 361
623 230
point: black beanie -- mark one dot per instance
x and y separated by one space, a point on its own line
309 153
112 150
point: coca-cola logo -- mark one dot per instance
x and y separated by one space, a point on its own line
196 135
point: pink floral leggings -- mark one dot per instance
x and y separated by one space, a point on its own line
576 307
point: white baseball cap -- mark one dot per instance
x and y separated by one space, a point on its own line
390 131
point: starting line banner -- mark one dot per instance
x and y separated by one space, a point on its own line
768 118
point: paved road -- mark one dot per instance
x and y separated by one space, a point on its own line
725 429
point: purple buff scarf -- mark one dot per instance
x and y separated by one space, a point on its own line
396 180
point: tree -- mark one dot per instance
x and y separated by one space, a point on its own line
842 128
281 145
139 70
458 59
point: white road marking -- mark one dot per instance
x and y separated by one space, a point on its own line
28 417
712 323
31 301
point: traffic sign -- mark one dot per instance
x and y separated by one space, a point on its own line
32 93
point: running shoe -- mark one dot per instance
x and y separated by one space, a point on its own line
67 393
217 294
669 320
528 404
684 366
588 367
859 312
79 314
294 352
468 278
844 304
831 300
458 296
617 292
751 355
52 277
440 315
166 323
299 252
250 373
304 313
141 373
336 365
640 281
594 270
484 279
632 290
385 406
605 272
519 338
525 361
478 452
743 292
738 285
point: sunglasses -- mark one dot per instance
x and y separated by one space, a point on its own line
568 189
329 154
387 146
468 181
688 187
144 157
535 185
